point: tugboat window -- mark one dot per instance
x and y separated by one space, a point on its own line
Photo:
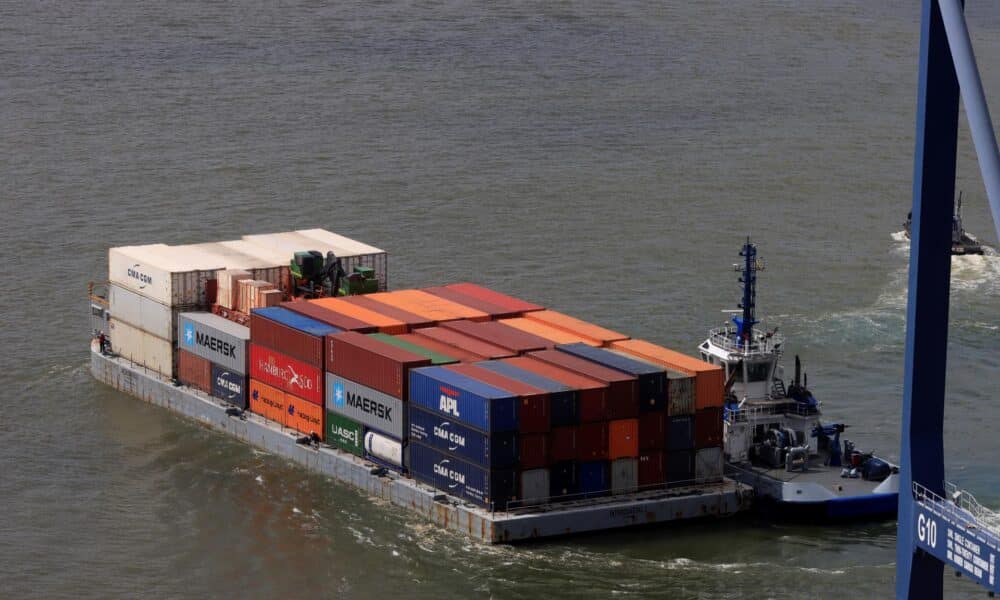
758 371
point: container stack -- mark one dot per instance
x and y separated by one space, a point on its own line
213 356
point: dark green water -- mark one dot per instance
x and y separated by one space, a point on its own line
604 159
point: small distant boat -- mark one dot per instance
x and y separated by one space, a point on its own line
962 242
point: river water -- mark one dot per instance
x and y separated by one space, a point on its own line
604 159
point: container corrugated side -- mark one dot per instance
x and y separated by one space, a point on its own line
498 334
142 348
344 433
623 439
148 270
533 414
142 312
651 379
544 330
652 469
592 395
494 297
709 378
464 399
708 428
464 342
289 332
492 489
532 450
562 398
592 441
577 326
680 394
305 416
240 255
332 318
372 363
680 467
652 431
623 389
366 405
708 465
194 371
535 486
268 401
496 450
218 340
229 385
624 475
680 433
594 478
287 374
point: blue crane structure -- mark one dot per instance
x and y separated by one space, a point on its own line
938 524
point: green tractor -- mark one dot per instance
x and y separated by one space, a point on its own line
314 276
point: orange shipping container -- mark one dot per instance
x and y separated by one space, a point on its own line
429 306
553 334
267 401
623 439
304 416
576 326
709 380
383 323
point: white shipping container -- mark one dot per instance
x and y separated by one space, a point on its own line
142 312
534 486
351 253
150 271
624 475
236 254
142 348
708 465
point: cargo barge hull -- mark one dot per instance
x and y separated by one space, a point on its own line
706 501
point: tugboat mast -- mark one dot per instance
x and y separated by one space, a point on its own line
744 324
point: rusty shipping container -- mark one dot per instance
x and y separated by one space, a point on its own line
290 333
623 389
194 371
498 334
533 403
372 363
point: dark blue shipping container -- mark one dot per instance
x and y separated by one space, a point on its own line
680 433
229 385
562 479
498 450
562 399
651 379
296 321
594 478
466 400
680 467
490 488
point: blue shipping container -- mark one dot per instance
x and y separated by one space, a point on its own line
463 399
490 488
680 433
562 479
562 399
594 478
230 386
296 321
680 467
652 379
498 450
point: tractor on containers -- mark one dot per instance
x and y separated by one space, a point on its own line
314 276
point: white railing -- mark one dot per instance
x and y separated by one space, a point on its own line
958 498
759 344
752 413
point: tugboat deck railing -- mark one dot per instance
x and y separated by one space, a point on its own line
760 343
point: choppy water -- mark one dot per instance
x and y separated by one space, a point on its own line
605 159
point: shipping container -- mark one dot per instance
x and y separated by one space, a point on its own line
305 416
371 362
270 298
428 306
439 347
492 451
651 379
562 398
332 318
464 399
211 337
598 334
412 321
622 390
253 294
680 394
623 439
464 342
286 373
708 465
378 320
268 402
534 486
194 371
227 291
548 332
229 385
624 475
344 433
680 433
436 358
562 443
385 450
495 311
492 489
142 348
533 403
592 441
708 428
143 313
350 252
592 395
533 450
709 379
482 293
240 255
498 334
652 431
593 478
680 467
159 274
366 405
290 333
562 479
652 469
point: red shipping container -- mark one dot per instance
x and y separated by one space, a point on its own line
592 441
495 311
592 401
412 321
286 373
533 409
652 469
562 444
324 315
623 389
498 334
441 348
373 363
509 302
708 428
533 451
623 439
194 371
652 431
469 344
292 342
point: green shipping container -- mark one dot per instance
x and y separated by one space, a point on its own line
344 433
436 357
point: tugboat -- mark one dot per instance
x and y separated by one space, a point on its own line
775 439
962 242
